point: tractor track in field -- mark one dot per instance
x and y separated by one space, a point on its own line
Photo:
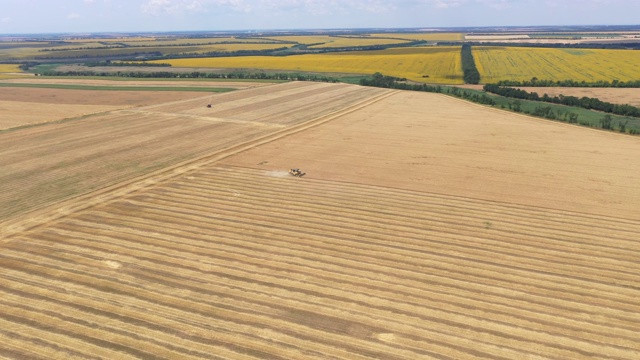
44 215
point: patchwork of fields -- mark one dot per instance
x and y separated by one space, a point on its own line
88 47
425 64
423 36
339 54
426 228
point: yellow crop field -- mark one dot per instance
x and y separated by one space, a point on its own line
424 36
9 68
440 64
514 63
7 71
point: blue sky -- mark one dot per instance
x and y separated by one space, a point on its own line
46 16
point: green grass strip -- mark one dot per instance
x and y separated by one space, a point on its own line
586 117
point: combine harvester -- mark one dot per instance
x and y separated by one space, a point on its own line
296 172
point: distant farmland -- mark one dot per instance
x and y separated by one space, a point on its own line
424 36
426 64
590 65
421 56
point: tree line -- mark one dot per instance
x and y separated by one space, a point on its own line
583 102
124 63
571 83
602 45
196 75
470 72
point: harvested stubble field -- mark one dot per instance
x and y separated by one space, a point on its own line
43 164
374 254
121 82
27 106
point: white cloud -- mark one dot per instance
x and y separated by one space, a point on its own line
89 1
497 4
73 16
445 4
315 7
173 7
374 6
5 20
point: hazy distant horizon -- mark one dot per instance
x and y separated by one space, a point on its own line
118 16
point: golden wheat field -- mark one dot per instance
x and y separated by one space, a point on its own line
513 63
440 64
425 228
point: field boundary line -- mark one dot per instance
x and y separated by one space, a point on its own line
38 217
